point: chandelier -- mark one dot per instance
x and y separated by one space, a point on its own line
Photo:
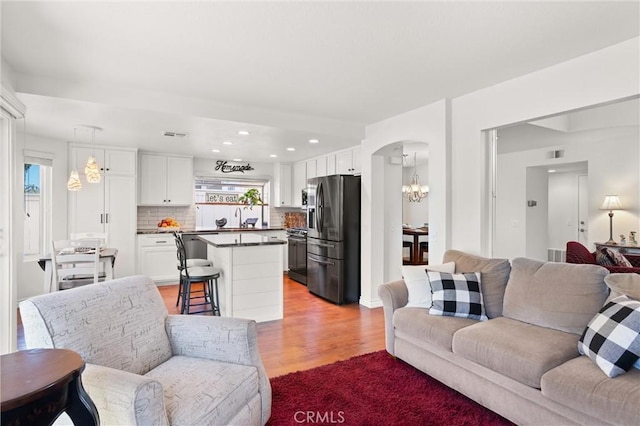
91 170
414 191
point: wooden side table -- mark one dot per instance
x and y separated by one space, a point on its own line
39 384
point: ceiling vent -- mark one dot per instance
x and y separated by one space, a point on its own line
174 134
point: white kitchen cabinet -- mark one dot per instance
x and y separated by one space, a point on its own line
111 161
348 161
108 206
321 166
165 180
157 257
312 170
282 185
331 164
299 182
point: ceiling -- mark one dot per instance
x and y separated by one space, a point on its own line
286 71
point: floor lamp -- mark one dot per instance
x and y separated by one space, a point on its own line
611 203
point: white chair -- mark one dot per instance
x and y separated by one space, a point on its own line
76 263
102 236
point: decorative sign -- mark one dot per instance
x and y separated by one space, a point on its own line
222 197
224 167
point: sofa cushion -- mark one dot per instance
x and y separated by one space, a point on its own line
516 349
416 324
228 388
494 272
456 295
612 338
561 296
417 282
627 284
580 384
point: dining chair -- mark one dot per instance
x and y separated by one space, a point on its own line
207 275
409 245
102 236
76 263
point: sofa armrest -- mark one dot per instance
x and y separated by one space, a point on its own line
232 340
394 295
124 398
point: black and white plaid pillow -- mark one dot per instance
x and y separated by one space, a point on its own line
456 295
612 337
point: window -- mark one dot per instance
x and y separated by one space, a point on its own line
37 205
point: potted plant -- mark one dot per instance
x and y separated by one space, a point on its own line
250 198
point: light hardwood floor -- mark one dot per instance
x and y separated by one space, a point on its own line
313 332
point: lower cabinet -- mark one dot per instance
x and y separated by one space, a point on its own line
157 258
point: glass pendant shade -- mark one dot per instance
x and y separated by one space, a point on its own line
73 184
92 171
414 191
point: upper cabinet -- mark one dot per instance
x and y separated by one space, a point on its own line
331 164
165 180
312 170
348 161
299 182
111 161
281 185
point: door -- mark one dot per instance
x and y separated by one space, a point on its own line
324 277
153 179
180 181
583 210
120 218
87 207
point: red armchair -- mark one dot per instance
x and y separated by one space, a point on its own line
577 253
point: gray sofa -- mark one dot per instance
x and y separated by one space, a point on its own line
145 367
523 363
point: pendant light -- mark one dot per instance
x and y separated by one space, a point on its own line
91 170
414 191
74 184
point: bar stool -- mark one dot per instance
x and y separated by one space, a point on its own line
409 244
190 263
207 275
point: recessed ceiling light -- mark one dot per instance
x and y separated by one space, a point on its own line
291 149
552 171
244 132
313 141
227 143
215 150
273 156
237 159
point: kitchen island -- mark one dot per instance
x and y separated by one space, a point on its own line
250 283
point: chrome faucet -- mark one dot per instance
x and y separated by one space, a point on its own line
239 212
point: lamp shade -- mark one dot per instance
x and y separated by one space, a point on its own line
74 181
611 202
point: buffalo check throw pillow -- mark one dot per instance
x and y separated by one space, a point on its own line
456 295
612 337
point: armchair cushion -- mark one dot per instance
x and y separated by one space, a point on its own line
227 388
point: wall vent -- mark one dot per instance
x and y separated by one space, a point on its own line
559 153
556 255
170 134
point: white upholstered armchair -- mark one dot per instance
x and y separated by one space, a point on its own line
146 367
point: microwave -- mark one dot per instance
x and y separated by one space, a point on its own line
304 197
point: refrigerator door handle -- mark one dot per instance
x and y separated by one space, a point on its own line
313 243
319 207
322 262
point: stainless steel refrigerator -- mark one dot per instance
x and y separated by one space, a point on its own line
333 238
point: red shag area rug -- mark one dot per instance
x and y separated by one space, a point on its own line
372 389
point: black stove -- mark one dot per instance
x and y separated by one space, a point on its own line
297 238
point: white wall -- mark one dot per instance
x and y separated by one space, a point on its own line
602 76
428 124
30 275
612 169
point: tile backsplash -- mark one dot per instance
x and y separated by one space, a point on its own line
148 217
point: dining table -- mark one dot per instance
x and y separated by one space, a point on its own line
416 233
107 258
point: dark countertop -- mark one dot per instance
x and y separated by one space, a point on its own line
206 230
240 239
